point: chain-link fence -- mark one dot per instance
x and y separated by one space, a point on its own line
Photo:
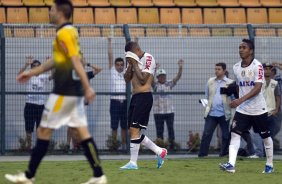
199 46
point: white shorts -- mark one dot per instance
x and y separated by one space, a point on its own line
64 110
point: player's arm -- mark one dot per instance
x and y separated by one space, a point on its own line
180 68
110 53
141 76
25 76
128 73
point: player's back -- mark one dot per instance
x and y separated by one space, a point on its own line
246 77
65 46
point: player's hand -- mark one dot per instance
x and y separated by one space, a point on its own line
29 60
274 112
235 103
180 63
23 77
131 61
89 95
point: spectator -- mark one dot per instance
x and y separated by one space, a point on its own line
34 105
71 135
118 104
217 111
163 107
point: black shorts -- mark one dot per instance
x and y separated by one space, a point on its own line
139 110
32 116
118 114
243 123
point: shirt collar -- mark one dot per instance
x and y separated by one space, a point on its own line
224 79
63 25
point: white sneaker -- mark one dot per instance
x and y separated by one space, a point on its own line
97 180
19 178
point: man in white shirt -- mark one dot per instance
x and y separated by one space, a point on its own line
118 105
34 105
251 109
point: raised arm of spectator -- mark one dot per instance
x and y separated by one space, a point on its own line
277 65
28 62
95 68
180 67
110 53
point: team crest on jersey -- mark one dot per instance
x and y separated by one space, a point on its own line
272 85
243 73
250 73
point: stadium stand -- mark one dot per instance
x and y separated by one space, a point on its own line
275 15
192 16
99 3
38 15
33 3
78 3
24 32
250 3
265 32
11 2
83 16
271 3
257 15
48 2
235 16
126 16
142 3
120 3
148 16
90 32
213 16
105 16
228 3
185 3
45 32
207 3
2 15
164 3
170 16
17 15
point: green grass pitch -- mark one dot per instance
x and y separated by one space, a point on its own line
178 171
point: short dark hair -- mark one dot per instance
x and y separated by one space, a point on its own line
274 71
130 46
250 43
119 59
65 6
223 65
35 62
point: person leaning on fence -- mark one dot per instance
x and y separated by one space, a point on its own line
118 104
163 107
34 105
217 111
71 134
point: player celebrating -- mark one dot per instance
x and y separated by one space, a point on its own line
141 74
251 106
65 105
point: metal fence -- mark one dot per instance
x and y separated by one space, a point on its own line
199 46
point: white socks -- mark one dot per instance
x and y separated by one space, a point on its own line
151 145
234 147
134 150
268 145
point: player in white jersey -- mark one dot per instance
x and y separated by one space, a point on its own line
250 106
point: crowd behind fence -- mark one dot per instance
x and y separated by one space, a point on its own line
199 50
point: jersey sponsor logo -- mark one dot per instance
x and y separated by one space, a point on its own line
260 72
246 83
148 62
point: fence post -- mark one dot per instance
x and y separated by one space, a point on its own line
251 33
3 89
128 85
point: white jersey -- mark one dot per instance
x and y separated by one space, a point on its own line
37 84
118 84
148 64
246 78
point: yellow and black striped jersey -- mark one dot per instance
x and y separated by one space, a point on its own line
65 46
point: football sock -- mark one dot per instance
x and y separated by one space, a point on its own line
38 152
134 149
268 145
151 145
234 147
91 153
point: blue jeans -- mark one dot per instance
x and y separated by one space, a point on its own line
211 123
